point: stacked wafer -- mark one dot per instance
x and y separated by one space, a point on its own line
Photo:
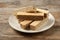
32 18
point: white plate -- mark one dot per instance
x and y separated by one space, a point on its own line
15 25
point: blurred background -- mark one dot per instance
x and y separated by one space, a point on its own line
19 3
50 4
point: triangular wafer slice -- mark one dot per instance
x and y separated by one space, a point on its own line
25 24
36 24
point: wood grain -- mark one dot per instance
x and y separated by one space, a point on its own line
8 33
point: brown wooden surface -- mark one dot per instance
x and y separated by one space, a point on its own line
8 6
7 33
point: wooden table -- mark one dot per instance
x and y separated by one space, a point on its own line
7 33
